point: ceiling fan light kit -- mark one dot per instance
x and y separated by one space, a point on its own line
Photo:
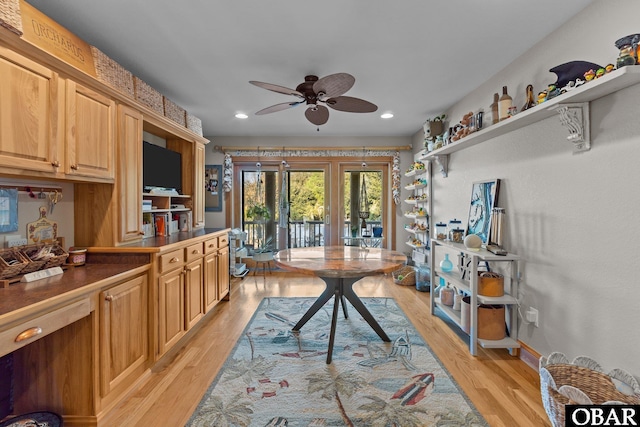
314 92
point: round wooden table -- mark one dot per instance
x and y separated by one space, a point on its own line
340 267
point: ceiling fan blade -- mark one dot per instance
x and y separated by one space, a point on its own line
278 107
334 84
318 115
276 88
351 104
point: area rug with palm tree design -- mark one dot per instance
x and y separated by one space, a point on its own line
277 377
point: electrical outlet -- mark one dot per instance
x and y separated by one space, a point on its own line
532 316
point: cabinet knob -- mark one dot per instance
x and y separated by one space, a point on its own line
174 260
195 252
29 333
108 297
55 164
74 167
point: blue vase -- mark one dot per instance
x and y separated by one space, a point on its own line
423 278
446 265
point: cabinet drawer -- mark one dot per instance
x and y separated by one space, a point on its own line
193 252
171 260
210 245
41 326
223 241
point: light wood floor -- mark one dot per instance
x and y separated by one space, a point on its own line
502 387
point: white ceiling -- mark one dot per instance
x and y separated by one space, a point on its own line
414 58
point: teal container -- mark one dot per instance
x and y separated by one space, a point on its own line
423 278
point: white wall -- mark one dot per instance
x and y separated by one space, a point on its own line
571 217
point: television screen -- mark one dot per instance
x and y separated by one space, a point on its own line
161 167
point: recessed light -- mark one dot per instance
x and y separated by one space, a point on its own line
241 116
386 115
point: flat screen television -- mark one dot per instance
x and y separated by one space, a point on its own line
161 167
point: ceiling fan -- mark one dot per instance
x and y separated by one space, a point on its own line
317 93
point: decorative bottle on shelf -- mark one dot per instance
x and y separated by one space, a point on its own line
446 265
495 118
504 104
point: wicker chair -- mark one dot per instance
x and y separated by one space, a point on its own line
582 382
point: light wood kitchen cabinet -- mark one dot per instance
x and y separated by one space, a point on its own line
210 274
223 273
171 309
128 176
31 121
194 285
198 190
123 339
90 133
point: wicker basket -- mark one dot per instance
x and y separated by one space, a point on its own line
10 17
12 263
581 382
55 258
194 124
174 112
408 274
147 95
110 72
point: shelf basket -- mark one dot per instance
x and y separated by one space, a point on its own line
10 17
582 382
12 263
148 96
408 274
174 112
112 73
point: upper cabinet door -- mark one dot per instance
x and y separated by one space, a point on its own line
90 132
198 188
31 124
129 174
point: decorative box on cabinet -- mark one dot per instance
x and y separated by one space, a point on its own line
419 207
469 286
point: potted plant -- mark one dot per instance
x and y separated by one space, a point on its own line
259 212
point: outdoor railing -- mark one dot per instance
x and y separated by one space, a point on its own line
302 234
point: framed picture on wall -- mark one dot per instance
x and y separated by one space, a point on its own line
213 188
484 196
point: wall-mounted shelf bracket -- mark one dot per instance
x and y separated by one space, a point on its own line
443 164
575 117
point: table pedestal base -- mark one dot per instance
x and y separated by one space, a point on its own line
340 288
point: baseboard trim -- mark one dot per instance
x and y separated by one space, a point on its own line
529 356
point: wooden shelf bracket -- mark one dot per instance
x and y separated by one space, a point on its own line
443 164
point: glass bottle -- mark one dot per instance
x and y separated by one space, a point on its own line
504 104
495 118
446 265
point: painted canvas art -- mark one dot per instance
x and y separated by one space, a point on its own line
484 196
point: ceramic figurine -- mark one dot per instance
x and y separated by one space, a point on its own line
589 75
579 82
568 87
530 102
552 91
609 68
599 73
542 96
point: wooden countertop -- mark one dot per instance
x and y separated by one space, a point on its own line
161 243
21 299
